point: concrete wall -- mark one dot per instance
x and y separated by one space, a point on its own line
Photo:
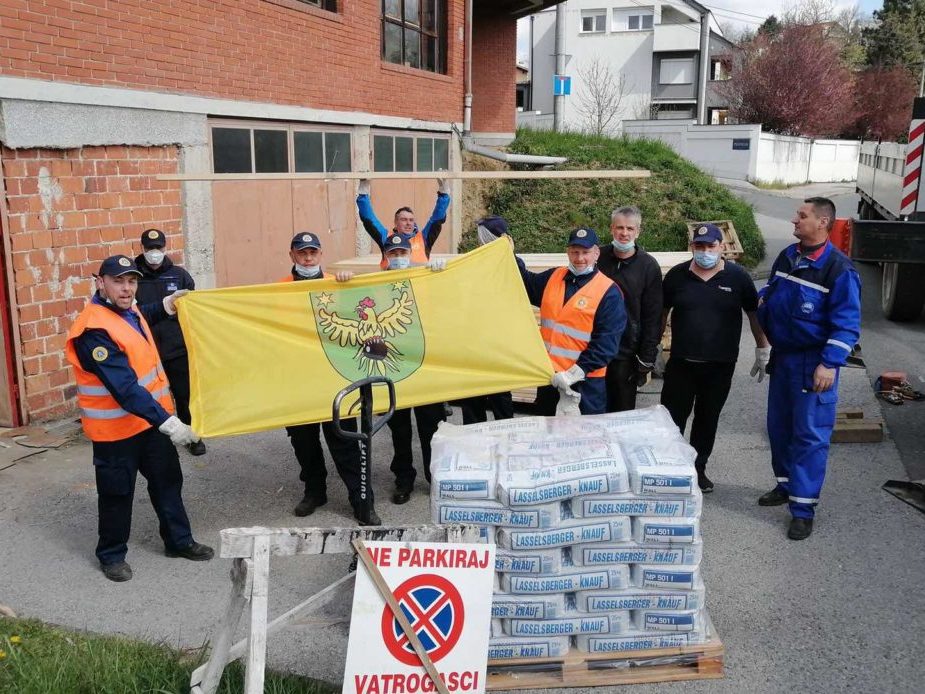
798 159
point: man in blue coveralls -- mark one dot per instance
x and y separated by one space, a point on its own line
810 311
420 241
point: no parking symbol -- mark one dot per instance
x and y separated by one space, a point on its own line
445 593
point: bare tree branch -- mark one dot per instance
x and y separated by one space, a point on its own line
600 96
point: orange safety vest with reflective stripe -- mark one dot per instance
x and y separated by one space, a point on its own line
418 252
102 417
290 278
566 326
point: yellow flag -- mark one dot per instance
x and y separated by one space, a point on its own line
267 356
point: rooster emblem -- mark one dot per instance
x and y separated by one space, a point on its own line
372 333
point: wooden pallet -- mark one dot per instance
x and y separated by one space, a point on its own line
734 249
852 427
576 669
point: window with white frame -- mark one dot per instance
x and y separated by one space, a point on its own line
635 19
593 21
676 71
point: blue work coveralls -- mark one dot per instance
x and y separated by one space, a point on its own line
811 312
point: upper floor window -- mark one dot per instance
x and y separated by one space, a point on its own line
593 21
632 20
329 5
676 71
414 33
278 148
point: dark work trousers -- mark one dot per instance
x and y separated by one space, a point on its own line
703 387
475 410
306 442
621 385
593 397
117 464
428 418
178 374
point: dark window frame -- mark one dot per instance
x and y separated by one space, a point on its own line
418 26
291 129
416 151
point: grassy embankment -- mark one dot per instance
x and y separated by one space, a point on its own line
540 213
36 658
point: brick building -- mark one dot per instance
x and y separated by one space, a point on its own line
99 97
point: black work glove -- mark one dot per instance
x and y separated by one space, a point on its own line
641 377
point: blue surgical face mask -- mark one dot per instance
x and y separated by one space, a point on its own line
624 247
706 260
401 262
307 271
579 273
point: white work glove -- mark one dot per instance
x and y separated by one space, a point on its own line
564 380
171 300
436 264
363 188
443 186
180 434
762 357
568 403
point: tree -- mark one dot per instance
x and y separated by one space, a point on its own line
600 97
794 84
898 37
770 26
883 103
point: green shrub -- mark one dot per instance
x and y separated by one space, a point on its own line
541 212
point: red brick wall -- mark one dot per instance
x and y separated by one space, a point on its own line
494 61
69 209
261 50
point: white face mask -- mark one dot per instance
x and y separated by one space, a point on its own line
154 257
307 270
399 262
485 236
579 273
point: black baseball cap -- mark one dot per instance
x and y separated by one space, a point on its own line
396 241
305 239
707 233
494 224
583 236
153 238
118 265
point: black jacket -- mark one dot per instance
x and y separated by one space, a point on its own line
640 279
153 286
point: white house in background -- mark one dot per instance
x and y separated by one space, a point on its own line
654 45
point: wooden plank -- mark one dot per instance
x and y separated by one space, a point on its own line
535 262
850 413
255 665
857 431
576 669
413 175
239 542
205 679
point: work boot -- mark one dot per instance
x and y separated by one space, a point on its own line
195 552
800 528
119 571
775 497
366 516
309 503
402 494
706 486
196 448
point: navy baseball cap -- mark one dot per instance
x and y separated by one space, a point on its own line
582 236
305 239
118 265
707 233
494 224
396 241
153 238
